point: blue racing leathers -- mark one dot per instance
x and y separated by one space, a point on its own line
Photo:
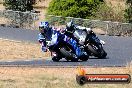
42 41
43 37
54 35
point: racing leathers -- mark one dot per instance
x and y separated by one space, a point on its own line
74 34
43 37
52 35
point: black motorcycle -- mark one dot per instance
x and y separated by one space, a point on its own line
90 42
87 39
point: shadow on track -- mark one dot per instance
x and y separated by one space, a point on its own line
63 60
98 58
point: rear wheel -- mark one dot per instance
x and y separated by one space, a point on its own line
74 59
84 57
55 56
55 59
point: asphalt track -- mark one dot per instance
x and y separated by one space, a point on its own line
119 50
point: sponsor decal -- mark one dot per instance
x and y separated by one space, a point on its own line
83 78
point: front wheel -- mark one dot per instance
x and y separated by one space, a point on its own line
103 55
84 57
97 51
67 52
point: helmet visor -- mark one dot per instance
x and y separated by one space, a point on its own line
42 29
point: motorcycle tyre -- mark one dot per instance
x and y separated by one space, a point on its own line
96 53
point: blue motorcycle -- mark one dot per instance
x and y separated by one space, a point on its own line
61 46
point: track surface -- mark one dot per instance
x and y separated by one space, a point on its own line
119 50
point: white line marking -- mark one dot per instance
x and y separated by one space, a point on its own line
9 61
10 40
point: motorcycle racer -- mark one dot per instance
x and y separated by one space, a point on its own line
70 31
52 34
87 39
44 30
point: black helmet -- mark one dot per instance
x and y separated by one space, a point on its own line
70 26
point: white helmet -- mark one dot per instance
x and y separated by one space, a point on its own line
43 26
